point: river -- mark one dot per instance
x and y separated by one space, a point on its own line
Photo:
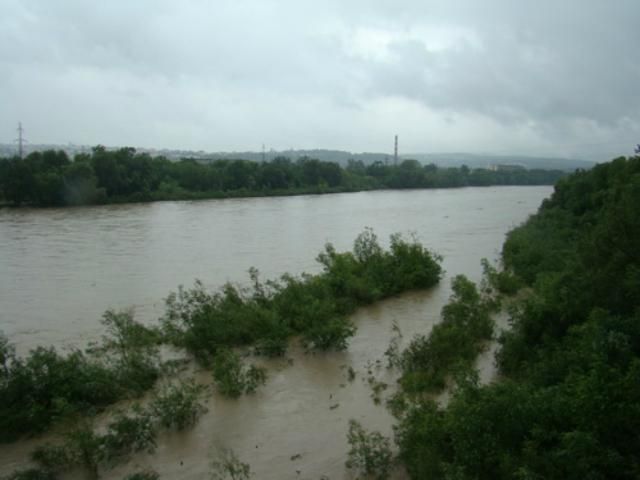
60 269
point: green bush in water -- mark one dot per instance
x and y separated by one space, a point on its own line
313 306
232 378
453 344
178 405
369 453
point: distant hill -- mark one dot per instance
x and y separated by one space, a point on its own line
342 157
441 159
338 156
482 161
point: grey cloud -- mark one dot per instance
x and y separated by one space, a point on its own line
560 70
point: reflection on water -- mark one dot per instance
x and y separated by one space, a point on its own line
61 268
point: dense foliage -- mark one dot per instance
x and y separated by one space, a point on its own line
313 306
568 405
51 178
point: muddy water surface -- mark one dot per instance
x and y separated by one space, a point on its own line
60 269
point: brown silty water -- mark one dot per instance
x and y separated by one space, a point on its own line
62 268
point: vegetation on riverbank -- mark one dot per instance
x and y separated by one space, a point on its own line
568 402
51 178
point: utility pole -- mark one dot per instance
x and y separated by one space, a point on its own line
20 140
395 153
263 153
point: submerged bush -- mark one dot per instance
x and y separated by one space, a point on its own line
143 475
82 447
453 344
331 335
31 474
313 306
178 405
175 406
370 452
502 281
227 466
85 447
46 386
129 433
232 378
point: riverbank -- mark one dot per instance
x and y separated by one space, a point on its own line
566 403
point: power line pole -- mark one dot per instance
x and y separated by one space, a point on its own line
20 140
395 152
263 153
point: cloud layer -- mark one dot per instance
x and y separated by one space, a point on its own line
548 77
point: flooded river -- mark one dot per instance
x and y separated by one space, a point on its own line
60 269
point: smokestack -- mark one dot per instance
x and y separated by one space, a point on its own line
395 152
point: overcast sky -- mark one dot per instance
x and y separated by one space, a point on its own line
546 77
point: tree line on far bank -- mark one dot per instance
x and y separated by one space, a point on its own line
51 178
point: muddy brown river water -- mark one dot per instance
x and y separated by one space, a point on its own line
60 269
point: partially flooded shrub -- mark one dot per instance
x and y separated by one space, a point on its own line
272 346
179 405
46 386
53 458
126 336
227 466
143 475
503 281
333 334
377 389
232 378
31 474
82 447
129 433
176 406
393 350
132 349
254 378
7 356
314 306
454 343
370 452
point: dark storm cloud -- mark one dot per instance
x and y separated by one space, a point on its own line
571 60
552 77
